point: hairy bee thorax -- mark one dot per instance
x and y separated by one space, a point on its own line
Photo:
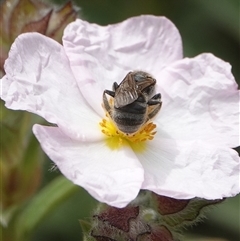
129 107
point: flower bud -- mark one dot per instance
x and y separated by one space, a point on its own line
19 16
150 217
129 223
178 213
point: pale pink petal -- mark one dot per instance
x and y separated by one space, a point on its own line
188 169
146 42
39 79
111 176
200 101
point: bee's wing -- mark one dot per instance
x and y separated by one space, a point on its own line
126 93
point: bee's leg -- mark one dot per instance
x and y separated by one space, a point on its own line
109 92
155 99
105 100
154 111
154 105
115 86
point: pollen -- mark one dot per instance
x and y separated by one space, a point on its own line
115 138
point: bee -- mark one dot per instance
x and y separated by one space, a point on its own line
134 101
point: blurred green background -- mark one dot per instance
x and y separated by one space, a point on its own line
205 26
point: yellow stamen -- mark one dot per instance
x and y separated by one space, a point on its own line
115 138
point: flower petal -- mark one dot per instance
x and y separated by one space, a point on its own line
200 101
146 42
112 177
39 79
188 169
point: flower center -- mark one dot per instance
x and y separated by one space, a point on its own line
116 138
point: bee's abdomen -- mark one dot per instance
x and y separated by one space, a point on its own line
130 118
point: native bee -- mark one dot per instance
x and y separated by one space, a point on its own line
134 101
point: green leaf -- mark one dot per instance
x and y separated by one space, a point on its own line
42 204
6 215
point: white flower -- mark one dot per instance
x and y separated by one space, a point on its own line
191 154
